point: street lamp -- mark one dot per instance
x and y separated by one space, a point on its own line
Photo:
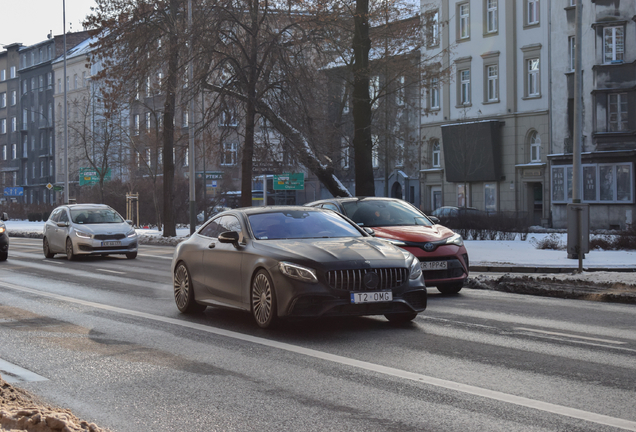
66 191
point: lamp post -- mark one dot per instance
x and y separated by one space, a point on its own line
193 202
66 191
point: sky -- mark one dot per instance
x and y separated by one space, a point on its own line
30 21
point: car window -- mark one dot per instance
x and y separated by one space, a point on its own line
95 216
298 224
211 229
229 223
55 216
63 216
330 206
383 213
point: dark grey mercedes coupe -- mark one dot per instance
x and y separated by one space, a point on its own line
292 261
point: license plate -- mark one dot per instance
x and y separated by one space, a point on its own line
371 297
434 265
111 243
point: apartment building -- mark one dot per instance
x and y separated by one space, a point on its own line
485 127
608 44
9 115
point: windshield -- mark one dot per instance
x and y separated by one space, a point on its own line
95 216
299 224
381 213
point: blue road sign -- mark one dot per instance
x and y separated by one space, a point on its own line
14 191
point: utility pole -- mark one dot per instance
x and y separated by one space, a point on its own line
66 191
578 213
191 159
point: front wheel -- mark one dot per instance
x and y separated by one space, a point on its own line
401 318
263 300
69 250
4 256
453 288
184 291
47 249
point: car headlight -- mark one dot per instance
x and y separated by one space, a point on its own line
132 233
2 229
82 234
416 269
295 271
454 240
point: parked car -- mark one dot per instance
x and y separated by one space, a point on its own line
457 212
88 229
441 251
4 237
294 261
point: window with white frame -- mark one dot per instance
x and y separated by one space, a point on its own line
464 20
491 16
400 92
572 52
434 93
3 74
490 197
12 75
147 121
14 124
14 98
59 85
602 183
345 100
375 151
464 80
184 119
532 12
228 118
344 152
613 44
4 152
14 151
492 72
374 91
533 77
535 147
228 157
617 112
3 99
436 154
432 28
186 158
136 124
41 168
3 126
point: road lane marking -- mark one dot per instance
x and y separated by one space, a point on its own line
156 256
111 271
568 335
386 370
14 374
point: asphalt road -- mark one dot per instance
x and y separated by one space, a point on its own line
103 338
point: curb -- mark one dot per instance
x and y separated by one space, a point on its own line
531 269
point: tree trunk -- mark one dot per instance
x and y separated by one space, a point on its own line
361 107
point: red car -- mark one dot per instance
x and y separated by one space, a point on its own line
441 251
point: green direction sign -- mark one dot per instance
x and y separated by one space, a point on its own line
291 181
89 176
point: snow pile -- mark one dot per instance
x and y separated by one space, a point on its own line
20 412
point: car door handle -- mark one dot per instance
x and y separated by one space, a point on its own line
211 245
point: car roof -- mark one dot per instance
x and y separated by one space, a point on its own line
362 198
86 206
272 209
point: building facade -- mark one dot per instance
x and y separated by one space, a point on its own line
9 115
608 151
485 126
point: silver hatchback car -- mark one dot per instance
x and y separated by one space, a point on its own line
88 229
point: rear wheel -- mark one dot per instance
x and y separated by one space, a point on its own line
184 291
69 250
263 300
453 288
401 318
47 249
131 255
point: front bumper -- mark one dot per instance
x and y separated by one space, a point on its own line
97 247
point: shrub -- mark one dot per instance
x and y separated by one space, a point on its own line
553 241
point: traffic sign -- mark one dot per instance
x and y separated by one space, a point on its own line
291 181
90 176
14 191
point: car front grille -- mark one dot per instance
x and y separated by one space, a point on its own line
109 236
354 279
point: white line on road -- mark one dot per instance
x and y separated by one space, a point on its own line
570 335
386 370
15 374
111 271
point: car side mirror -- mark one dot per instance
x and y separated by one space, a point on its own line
129 222
62 224
434 219
5 216
229 237
369 231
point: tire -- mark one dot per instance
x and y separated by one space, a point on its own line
4 256
453 288
69 250
46 249
184 291
263 300
401 318
131 255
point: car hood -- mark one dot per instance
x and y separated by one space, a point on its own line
105 228
414 233
337 252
